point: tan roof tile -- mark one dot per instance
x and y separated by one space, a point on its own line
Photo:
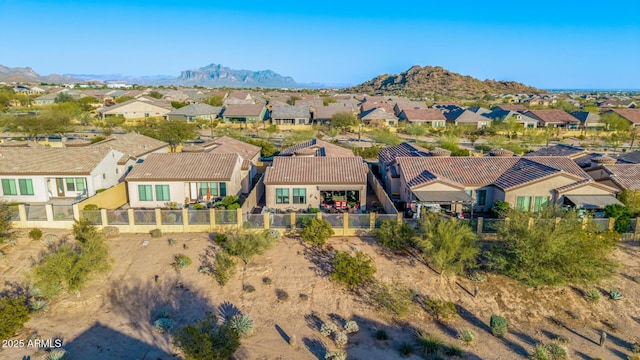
54 161
186 167
316 170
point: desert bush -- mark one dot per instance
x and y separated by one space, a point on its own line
539 353
317 232
557 351
381 334
621 213
303 297
247 245
394 234
341 339
351 327
199 207
448 244
155 233
498 325
181 261
48 240
468 336
405 349
327 328
57 354
266 280
282 295
6 212
248 288
110 232
223 268
615 294
220 239
427 344
441 309
335 355
207 339
37 305
35 234
353 271
242 324
592 295
538 254
13 314
390 298
477 276
171 242
163 325
69 266
635 348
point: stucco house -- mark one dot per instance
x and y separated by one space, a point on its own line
499 114
380 115
183 178
430 117
526 183
298 183
387 164
554 118
39 174
619 176
193 112
136 109
460 117
588 120
316 147
291 115
134 148
244 113
631 115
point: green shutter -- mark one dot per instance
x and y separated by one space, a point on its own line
162 193
80 184
9 187
26 186
223 189
145 192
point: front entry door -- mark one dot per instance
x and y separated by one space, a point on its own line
60 187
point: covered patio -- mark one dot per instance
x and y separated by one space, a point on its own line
341 200
590 202
453 201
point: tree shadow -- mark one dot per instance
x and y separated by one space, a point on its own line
315 346
618 353
313 322
446 328
464 288
515 347
617 340
338 319
583 355
15 289
321 258
469 317
283 334
527 339
227 310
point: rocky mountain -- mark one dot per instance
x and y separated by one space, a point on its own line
28 75
439 84
217 75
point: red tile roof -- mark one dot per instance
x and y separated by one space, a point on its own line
316 170
423 114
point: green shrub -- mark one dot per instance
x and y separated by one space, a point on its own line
35 234
468 336
427 344
90 207
171 242
248 288
84 230
392 299
557 351
303 297
381 334
282 295
498 325
326 329
163 325
592 295
394 234
181 261
155 233
207 339
453 350
441 309
351 327
353 271
199 207
540 353
110 232
57 354
220 239
223 268
615 294
405 349
38 305
13 314
317 232
266 280
242 324
341 339
335 355
247 245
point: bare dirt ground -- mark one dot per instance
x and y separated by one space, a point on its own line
112 317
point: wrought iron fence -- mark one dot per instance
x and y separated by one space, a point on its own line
199 217
117 217
144 217
171 217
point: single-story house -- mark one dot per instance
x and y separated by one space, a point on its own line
463 117
631 157
431 117
588 120
620 176
631 115
39 174
183 178
554 118
380 115
526 183
298 183
47 99
323 114
136 109
316 147
244 113
134 148
291 115
194 112
500 114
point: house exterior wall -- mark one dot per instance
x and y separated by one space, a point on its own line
178 191
106 174
137 110
40 189
313 195
542 188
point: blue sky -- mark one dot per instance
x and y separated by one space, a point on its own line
548 44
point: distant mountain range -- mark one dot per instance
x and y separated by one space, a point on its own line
439 84
211 76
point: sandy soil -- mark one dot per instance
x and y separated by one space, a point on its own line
112 317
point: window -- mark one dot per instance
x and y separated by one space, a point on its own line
9 187
223 189
540 202
145 193
71 184
26 186
80 186
213 189
162 193
104 176
146 114
299 196
282 196
481 197
523 203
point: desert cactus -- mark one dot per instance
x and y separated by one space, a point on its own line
242 325
341 339
326 329
351 327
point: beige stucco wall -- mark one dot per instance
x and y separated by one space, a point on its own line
313 195
542 188
137 110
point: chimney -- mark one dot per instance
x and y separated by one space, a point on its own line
602 160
